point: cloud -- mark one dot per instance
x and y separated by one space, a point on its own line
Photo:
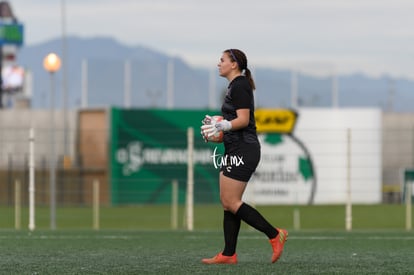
363 35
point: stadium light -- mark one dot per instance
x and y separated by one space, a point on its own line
52 63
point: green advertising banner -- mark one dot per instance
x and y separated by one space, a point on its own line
149 151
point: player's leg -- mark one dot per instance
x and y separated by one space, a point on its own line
231 192
230 195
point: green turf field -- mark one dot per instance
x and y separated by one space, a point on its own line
180 252
209 217
138 240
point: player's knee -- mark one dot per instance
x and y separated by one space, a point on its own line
229 204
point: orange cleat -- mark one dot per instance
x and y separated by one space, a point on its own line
221 259
278 243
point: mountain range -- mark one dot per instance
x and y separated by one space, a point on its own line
192 87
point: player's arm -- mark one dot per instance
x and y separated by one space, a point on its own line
242 119
210 126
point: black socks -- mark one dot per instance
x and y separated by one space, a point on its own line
231 227
253 218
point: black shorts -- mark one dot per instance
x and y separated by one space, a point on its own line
240 161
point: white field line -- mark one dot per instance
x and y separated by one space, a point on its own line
193 236
324 238
71 237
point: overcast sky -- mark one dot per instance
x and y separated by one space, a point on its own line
370 36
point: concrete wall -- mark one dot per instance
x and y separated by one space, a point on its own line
84 142
398 144
14 135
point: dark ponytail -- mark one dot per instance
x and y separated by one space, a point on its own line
250 78
240 58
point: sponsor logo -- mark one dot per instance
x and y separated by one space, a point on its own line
135 155
285 174
275 120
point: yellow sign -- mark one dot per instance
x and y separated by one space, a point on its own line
275 120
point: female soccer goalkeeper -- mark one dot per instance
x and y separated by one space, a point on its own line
241 145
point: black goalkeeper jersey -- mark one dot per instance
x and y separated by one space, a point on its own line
239 96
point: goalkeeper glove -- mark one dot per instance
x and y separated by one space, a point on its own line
211 126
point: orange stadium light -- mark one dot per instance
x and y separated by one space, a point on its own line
52 63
